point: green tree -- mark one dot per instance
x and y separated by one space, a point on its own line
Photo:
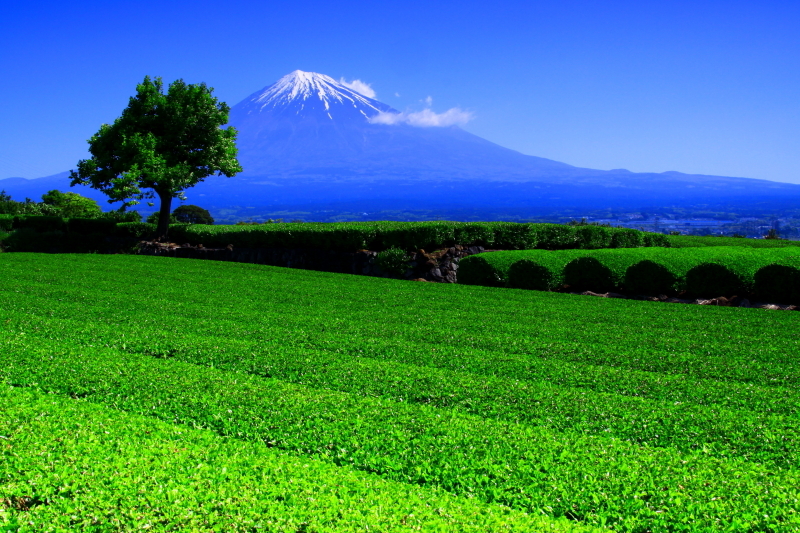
192 214
161 145
72 204
153 218
7 205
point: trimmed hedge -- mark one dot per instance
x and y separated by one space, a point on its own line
605 270
40 223
693 241
30 240
544 272
87 226
480 270
6 222
779 282
730 270
773 274
531 269
352 236
138 230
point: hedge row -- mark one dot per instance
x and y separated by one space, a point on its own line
351 236
56 234
692 241
347 236
772 273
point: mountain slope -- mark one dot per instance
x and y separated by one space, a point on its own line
308 123
308 141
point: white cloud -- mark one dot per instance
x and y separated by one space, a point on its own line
425 118
397 95
428 101
359 87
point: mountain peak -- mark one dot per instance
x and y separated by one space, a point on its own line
310 92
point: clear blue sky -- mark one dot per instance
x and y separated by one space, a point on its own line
696 86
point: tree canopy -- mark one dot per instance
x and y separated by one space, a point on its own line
192 214
161 145
28 207
71 204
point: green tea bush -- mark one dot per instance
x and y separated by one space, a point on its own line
727 270
605 270
592 237
715 279
528 274
651 277
512 236
136 230
476 270
779 282
540 269
393 261
631 238
6 222
479 233
656 239
555 237
587 273
692 241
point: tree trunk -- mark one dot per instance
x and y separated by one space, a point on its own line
163 216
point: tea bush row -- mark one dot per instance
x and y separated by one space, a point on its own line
177 478
474 389
277 307
743 430
600 481
693 241
773 273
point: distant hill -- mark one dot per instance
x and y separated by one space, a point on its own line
309 141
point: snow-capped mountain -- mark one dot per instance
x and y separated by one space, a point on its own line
308 140
310 122
308 94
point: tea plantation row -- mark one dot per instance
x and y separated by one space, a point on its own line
558 407
768 273
72 465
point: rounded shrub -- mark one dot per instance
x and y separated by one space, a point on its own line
476 270
777 283
393 261
649 277
528 274
714 279
192 214
587 273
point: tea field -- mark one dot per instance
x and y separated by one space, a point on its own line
181 395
